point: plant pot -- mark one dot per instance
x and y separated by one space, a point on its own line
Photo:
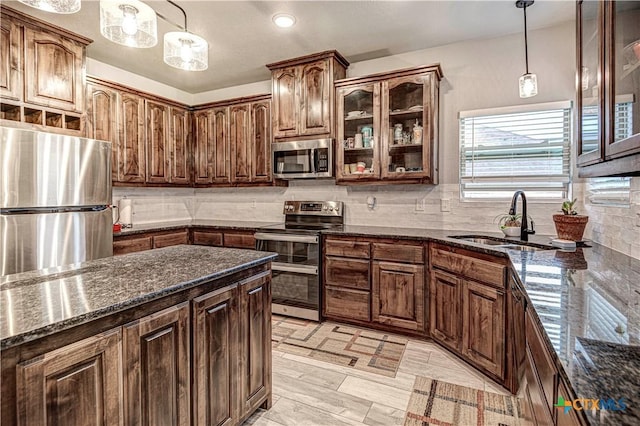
570 227
511 231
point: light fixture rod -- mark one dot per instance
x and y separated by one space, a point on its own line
183 13
526 49
169 21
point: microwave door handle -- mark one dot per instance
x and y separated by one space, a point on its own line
314 166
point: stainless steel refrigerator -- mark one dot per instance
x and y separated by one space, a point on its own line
55 196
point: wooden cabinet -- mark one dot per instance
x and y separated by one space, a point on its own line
211 146
444 308
10 60
396 115
41 75
255 344
216 347
179 148
375 282
608 88
542 380
303 97
240 239
156 354
157 135
483 326
54 67
233 142
131 164
102 120
77 384
123 244
468 307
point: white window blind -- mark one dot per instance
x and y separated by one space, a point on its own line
525 147
609 191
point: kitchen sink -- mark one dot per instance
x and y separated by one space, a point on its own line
501 242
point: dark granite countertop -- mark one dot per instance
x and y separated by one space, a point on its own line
588 303
205 223
34 304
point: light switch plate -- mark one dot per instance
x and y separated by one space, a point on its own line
445 205
419 204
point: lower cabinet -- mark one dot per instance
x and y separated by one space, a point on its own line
123 244
398 295
468 307
75 385
215 345
157 367
221 237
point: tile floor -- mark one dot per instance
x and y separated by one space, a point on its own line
307 392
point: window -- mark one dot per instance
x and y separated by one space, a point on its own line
523 147
609 191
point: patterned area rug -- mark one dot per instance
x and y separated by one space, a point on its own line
348 346
434 402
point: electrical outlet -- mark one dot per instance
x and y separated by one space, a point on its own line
638 219
419 204
253 203
445 205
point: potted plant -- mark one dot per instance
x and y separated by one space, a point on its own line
570 225
509 224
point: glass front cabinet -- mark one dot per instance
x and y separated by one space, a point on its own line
608 87
387 127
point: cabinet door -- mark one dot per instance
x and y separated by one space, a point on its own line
255 343
204 147
483 327
76 385
285 102
222 146
261 141
407 105
358 107
101 110
174 239
156 368
315 99
240 143
10 50
132 245
444 308
131 164
398 295
157 135
623 62
215 362
179 125
54 69
590 104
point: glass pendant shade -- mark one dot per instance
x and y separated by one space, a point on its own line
55 6
528 85
128 22
186 51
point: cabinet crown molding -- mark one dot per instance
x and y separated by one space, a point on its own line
327 54
33 22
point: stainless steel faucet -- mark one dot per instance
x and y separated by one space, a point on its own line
524 228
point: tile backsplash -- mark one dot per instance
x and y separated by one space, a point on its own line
410 206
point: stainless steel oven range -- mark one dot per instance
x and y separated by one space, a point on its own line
297 270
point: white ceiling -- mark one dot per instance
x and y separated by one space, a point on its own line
243 39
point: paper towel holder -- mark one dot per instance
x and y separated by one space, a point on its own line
125 207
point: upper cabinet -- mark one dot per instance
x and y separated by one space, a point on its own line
387 127
41 74
608 88
303 93
232 143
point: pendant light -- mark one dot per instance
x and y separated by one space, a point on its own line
55 6
128 22
185 50
528 82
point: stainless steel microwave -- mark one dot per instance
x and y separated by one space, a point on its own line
307 159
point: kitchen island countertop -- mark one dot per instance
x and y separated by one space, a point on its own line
38 303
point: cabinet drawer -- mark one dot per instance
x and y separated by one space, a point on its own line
543 366
170 239
207 238
132 245
236 240
344 248
478 269
347 303
398 253
352 273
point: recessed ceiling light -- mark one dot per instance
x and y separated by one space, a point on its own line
284 20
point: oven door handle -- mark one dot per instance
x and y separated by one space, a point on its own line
265 236
300 269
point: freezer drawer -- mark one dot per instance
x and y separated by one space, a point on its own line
44 240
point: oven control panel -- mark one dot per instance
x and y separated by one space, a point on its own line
314 208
